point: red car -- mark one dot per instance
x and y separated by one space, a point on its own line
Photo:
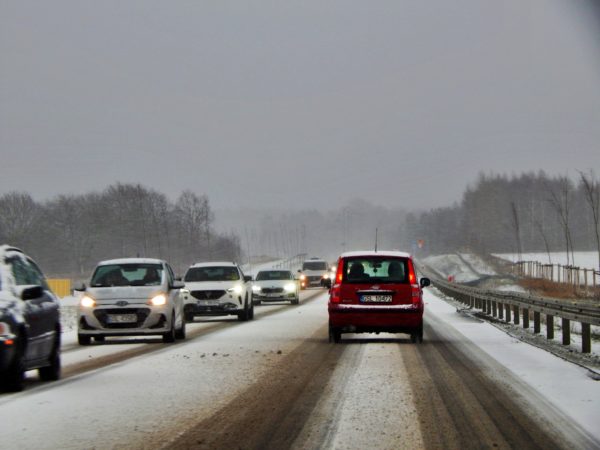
376 292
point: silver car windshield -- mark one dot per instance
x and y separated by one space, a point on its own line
127 275
274 275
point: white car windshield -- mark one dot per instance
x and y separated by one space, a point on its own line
127 275
211 274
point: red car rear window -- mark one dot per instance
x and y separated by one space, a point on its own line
375 270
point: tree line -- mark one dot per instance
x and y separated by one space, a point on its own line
69 234
530 212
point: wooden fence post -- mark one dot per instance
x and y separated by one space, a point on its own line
549 326
586 338
507 311
537 322
566 331
525 318
516 314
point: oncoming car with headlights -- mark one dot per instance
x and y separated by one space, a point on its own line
131 297
217 289
275 286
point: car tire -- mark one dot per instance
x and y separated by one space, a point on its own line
169 336
52 372
180 333
251 311
335 335
189 317
417 337
83 339
99 339
295 301
245 314
14 377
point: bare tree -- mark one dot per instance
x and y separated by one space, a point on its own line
561 202
516 228
18 218
591 189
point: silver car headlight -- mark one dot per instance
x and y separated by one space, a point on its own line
256 289
87 302
158 300
290 287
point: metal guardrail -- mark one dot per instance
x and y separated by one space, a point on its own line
503 305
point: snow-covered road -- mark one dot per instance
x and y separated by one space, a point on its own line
276 382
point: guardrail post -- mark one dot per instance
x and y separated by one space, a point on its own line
507 311
494 309
525 318
500 311
489 306
516 314
537 322
586 338
549 326
566 331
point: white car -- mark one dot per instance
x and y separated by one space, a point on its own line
131 297
315 272
217 289
275 286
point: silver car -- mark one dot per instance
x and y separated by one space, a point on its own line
131 297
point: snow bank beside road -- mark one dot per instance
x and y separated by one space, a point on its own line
567 387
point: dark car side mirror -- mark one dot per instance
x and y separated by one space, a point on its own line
247 278
425 282
32 292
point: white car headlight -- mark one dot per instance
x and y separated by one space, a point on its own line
87 302
256 288
290 287
158 300
237 289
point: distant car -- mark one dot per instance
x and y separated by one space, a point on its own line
315 272
29 321
131 297
275 286
376 292
217 289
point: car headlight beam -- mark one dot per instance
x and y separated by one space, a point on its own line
290 287
237 289
87 302
158 300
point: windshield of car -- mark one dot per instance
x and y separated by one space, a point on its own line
215 273
131 274
273 275
375 270
314 265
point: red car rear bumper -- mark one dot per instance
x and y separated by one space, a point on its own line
366 318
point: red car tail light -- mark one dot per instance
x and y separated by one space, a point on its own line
335 294
339 274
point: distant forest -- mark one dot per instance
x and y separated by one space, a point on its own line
68 235
531 212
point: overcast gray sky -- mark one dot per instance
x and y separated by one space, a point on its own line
295 103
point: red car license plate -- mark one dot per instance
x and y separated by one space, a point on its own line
376 299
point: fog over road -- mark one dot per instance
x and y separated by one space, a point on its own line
276 382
